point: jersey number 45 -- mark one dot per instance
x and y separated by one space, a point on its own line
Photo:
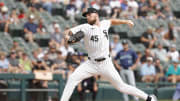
94 38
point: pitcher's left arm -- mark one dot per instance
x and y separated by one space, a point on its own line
119 21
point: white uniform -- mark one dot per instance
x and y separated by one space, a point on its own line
97 45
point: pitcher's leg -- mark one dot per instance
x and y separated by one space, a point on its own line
112 75
82 72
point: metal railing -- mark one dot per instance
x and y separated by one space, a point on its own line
23 90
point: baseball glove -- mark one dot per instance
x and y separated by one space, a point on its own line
76 37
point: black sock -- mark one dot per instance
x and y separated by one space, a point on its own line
148 98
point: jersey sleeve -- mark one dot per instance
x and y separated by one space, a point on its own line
77 28
134 56
106 23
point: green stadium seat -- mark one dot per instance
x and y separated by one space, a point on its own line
140 47
21 5
32 47
42 40
3 47
44 36
165 92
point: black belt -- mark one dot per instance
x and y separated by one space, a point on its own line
99 59
126 68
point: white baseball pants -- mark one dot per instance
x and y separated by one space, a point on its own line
107 70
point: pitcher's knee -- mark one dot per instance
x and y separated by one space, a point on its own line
122 87
73 80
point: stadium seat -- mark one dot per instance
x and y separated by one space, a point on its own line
165 92
16 30
20 5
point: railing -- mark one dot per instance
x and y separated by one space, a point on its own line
23 89
103 93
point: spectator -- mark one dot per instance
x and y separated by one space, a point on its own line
159 71
72 61
48 61
85 5
36 3
30 28
35 56
66 49
95 4
47 5
41 27
173 54
25 63
148 39
33 11
148 71
176 95
116 12
159 14
159 33
21 15
4 63
78 4
147 54
59 65
129 13
139 55
71 10
14 17
52 53
116 46
4 66
160 53
82 57
167 12
173 72
106 7
124 5
19 53
4 19
38 54
57 36
171 34
128 62
151 9
14 63
1 4
40 65
114 3
15 46
88 85
134 5
143 8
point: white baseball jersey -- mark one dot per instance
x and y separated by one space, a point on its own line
97 45
96 38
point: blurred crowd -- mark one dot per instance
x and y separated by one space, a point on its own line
159 61
152 9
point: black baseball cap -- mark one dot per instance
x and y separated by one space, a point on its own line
90 10
124 42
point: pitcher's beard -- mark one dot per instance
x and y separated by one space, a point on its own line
92 22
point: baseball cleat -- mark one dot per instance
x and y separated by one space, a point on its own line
153 97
